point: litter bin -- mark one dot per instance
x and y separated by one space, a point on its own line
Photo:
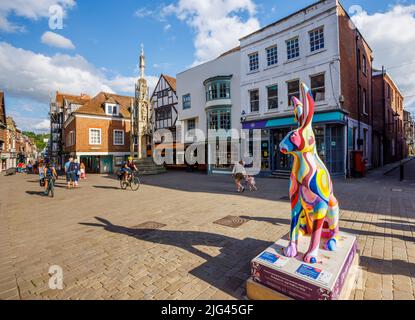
358 163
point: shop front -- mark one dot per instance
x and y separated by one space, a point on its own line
330 134
102 164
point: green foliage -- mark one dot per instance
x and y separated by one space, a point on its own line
38 138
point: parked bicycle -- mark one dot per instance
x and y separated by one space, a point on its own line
131 181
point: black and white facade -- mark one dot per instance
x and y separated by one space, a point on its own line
164 103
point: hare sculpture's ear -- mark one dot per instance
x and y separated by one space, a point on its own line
307 106
298 109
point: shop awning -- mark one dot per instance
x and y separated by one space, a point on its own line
333 116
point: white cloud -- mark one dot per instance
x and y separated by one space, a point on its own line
391 36
218 24
30 9
167 27
56 40
127 84
43 125
143 12
27 74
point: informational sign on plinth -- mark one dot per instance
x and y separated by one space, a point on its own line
275 276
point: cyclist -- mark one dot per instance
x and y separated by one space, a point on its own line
128 168
50 175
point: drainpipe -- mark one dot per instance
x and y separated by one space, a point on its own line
357 89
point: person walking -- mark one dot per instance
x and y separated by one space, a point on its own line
41 173
67 172
83 172
239 174
29 167
50 175
76 172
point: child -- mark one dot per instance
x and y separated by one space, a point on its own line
250 180
83 173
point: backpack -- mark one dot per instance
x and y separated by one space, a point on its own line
72 167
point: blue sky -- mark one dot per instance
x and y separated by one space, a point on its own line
105 43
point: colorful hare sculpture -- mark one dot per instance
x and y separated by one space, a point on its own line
314 209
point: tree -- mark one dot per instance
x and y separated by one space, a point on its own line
39 138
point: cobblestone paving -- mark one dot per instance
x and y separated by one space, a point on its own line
93 233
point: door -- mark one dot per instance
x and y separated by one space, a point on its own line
280 161
335 149
106 164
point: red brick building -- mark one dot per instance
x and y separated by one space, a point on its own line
98 132
3 132
356 58
60 109
388 120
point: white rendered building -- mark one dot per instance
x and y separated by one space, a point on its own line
209 98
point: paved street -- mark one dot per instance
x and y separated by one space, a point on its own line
96 235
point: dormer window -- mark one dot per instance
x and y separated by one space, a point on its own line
112 109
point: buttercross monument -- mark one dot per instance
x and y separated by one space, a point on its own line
140 115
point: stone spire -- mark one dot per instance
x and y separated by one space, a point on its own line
142 62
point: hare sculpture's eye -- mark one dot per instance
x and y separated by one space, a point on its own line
295 139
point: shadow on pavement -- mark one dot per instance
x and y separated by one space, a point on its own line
393 267
274 221
397 221
402 225
227 271
279 221
36 193
107 187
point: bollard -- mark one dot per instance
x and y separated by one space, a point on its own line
401 172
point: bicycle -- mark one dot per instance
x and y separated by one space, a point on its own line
51 187
132 181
